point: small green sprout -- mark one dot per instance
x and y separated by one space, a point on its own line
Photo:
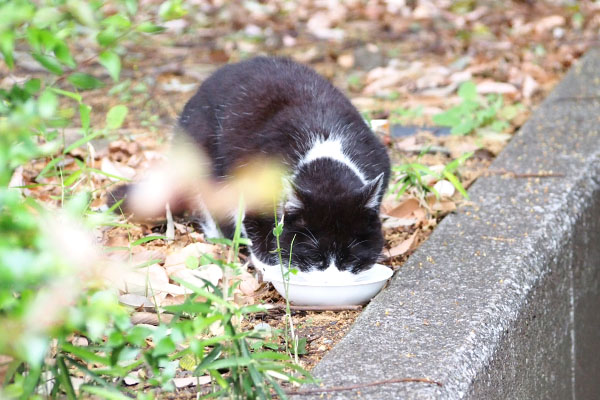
416 175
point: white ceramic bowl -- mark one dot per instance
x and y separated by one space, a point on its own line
358 291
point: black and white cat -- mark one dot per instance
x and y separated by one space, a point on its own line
339 169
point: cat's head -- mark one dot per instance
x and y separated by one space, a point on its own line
328 228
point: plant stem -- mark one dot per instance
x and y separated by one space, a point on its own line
285 275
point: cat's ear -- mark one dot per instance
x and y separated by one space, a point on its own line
293 198
292 201
371 192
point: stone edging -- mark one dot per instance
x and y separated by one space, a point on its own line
502 301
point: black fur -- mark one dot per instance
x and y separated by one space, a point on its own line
275 107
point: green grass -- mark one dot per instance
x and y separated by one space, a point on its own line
41 281
414 176
475 113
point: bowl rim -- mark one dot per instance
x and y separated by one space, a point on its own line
347 284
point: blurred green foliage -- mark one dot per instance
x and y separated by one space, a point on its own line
37 275
475 112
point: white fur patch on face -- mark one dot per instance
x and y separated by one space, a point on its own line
269 271
331 148
330 275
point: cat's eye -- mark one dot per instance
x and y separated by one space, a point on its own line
299 221
296 220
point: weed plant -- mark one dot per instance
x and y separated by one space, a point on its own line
64 333
286 269
416 177
475 113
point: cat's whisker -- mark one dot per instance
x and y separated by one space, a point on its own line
315 241
310 237
356 244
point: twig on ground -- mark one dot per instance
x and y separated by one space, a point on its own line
523 175
270 307
150 318
310 340
170 233
361 385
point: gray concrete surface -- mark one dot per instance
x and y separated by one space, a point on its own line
503 300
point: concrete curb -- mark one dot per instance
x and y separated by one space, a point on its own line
501 302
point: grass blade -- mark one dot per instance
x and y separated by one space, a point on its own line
65 378
456 183
82 141
231 363
104 393
147 239
48 166
120 178
85 354
276 387
205 293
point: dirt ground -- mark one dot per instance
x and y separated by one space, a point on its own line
399 62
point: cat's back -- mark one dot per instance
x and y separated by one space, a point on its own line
258 84
275 107
265 79
263 105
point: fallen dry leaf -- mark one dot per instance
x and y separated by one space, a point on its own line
530 87
135 300
173 300
151 281
440 92
130 148
408 144
176 260
17 178
403 247
191 380
80 341
489 87
175 85
548 23
150 318
140 257
211 272
386 77
392 223
405 209
131 380
116 169
321 24
420 214
346 60
444 206
4 364
425 10
249 284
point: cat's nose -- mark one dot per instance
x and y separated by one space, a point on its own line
332 266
